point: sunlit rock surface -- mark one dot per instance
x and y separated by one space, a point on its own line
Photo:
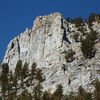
46 44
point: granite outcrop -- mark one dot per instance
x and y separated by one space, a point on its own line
46 44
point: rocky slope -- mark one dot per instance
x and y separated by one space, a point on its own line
46 44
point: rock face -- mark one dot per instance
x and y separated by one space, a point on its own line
46 44
43 44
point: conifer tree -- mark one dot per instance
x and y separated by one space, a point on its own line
33 71
17 74
10 81
68 19
18 69
4 79
39 75
81 93
87 44
38 88
78 21
97 90
37 91
24 72
46 96
91 18
58 94
25 96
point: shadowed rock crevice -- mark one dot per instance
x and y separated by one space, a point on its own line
64 34
18 48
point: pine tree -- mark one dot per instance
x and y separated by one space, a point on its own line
18 69
58 94
25 96
78 21
4 79
81 93
37 92
33 71
10 81
68 19
17 74
38 88
46 96
91 18
87 44
24 72
97 90
39 75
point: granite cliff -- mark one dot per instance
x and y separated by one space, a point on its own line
46 44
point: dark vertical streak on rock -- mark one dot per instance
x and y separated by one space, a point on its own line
64 35
18 48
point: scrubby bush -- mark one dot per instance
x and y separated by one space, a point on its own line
69 55
90 19
58 94
25 96
76 36
87 44
68 19
97 90
78 21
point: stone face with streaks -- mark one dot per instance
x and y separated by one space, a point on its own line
46 44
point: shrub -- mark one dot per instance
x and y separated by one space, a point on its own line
39 75
68 19
76 35
91 18
97 90
87 44
58 94
25 96
18 69
69 55
78 21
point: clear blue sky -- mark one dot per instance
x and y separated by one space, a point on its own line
17 15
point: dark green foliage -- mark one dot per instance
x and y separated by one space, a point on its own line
81 39
70 96
18 69
25 70
9 93
81 93
58 94
17 74
5 68
37 92
88 96
10 85
91 18
82 29
72 21
33 71
78 21
97 90
98 17
87 45
24 73
25 96
68 19
46 96
4 79
39 75
69 55
76 35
